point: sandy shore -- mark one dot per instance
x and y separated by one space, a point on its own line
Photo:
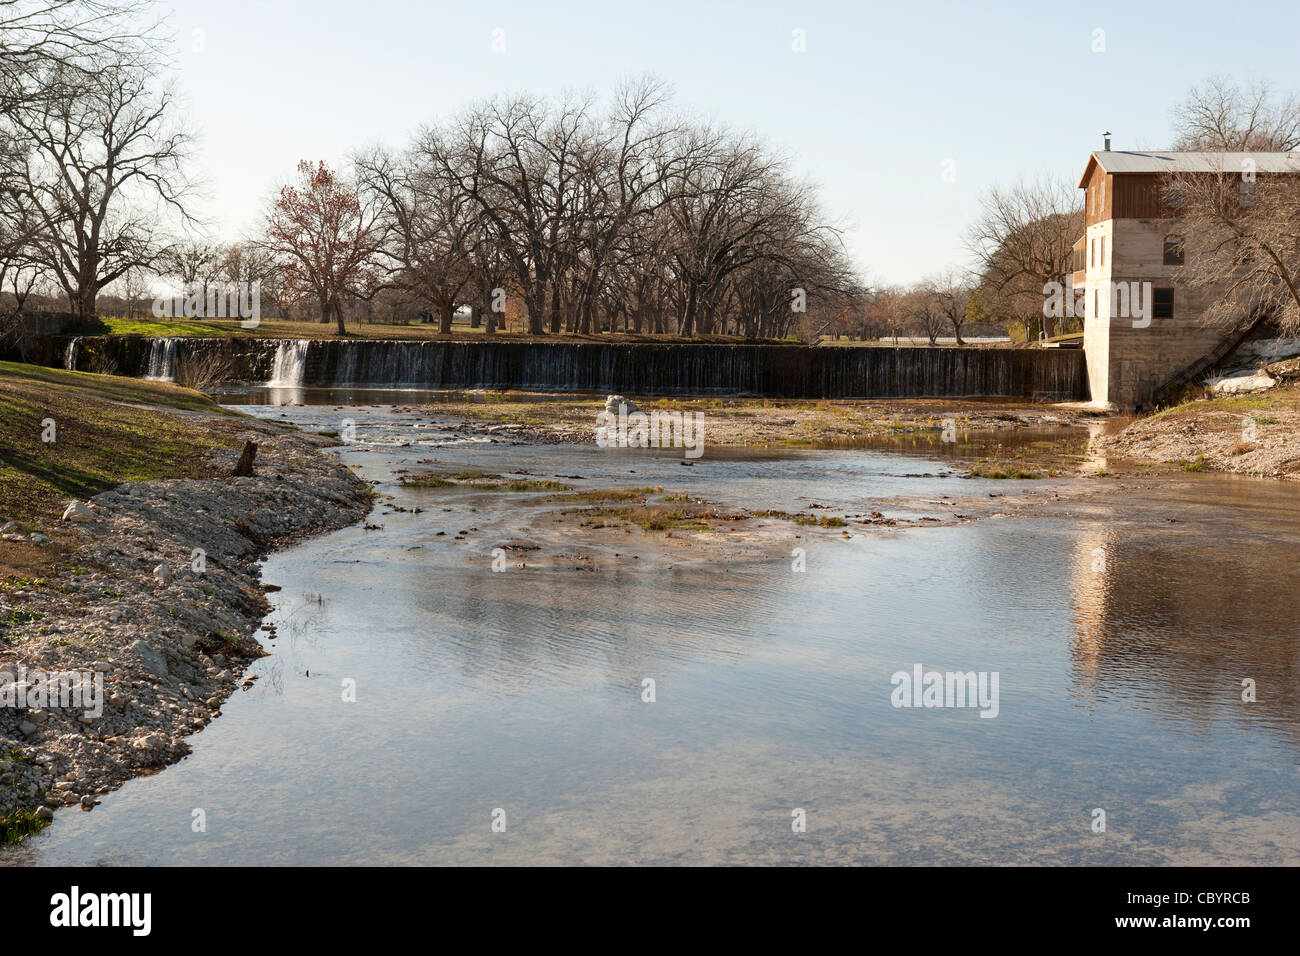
157 601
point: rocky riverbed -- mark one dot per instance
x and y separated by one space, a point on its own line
160 599
565 419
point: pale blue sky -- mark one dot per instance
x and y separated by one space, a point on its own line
883 96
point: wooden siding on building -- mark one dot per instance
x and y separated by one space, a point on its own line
1138 196
1124 196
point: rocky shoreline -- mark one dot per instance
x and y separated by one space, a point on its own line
1256 435
160 599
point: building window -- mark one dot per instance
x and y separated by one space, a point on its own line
1162 303
1101 204
1173 250
1102 263
1096 304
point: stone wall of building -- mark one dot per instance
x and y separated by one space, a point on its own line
1129 358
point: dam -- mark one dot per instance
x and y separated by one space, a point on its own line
772 371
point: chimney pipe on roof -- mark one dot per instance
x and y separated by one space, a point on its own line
1107 146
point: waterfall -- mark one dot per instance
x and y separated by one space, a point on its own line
634 368
162 361
784 371
70 355
290 363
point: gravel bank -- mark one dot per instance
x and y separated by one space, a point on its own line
1249 435
159 600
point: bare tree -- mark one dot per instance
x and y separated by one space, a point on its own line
99 156
604 219
920 310
1221 115
952 291
430 225
252 263
1024 236
1241 242
49 45
191 263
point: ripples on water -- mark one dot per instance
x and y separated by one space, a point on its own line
522 690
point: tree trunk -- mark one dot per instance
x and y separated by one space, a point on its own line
84 304
338 315
688 320
244 467
536 305
444 318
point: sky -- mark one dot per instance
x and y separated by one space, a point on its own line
902 113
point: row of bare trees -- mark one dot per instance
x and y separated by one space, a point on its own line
621 217
575 215
632 218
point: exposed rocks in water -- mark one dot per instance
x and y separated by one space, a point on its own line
160 599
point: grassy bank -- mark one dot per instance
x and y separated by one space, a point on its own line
105 431
461 332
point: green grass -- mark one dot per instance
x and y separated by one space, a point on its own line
108 430
1224 403
18 826
1244 401
180 327
803 518
272 328
599 495
1004 473
1197 465
522 485
648 519
427 481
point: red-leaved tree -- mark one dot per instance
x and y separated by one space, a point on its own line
326 238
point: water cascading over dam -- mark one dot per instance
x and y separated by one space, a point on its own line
777 371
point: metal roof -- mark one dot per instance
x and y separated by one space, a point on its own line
1124 161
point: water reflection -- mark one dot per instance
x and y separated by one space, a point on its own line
1174 614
